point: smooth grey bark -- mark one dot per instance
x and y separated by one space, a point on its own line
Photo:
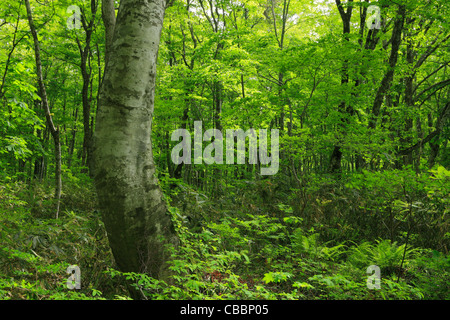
109 20
134 211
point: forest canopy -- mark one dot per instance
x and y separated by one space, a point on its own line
224 149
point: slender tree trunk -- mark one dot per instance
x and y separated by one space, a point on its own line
442 121
53 130
336 155
72 141
86 72
434 147
15 43
389 75
184 119
443 118
409 98
134 211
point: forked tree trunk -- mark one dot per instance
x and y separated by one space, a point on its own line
132 204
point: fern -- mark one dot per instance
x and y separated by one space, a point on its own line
384 254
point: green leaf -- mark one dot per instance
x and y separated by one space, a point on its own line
268 277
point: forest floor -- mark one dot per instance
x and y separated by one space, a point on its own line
253 240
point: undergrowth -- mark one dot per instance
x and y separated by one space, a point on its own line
234 248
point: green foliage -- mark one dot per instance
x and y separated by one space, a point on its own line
432 274
36 251
304 233
438 189
386 255
276 277
238 256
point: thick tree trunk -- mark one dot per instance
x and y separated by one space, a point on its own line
109 20
132 204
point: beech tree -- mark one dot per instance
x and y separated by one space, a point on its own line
93 95
134 211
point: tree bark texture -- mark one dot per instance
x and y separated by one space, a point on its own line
109 20
134 211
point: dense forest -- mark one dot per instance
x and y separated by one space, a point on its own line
224 149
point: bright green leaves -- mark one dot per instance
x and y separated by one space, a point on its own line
438 190
440 173
276 277
18 128
17 146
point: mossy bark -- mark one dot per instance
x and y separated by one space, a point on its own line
132 204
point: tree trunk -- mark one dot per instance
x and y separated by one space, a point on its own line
184 119
409 98
72 141
385 85
443 118
53 130
85 52
134 211
109 20
336 155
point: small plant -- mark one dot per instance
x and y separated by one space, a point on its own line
388 256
